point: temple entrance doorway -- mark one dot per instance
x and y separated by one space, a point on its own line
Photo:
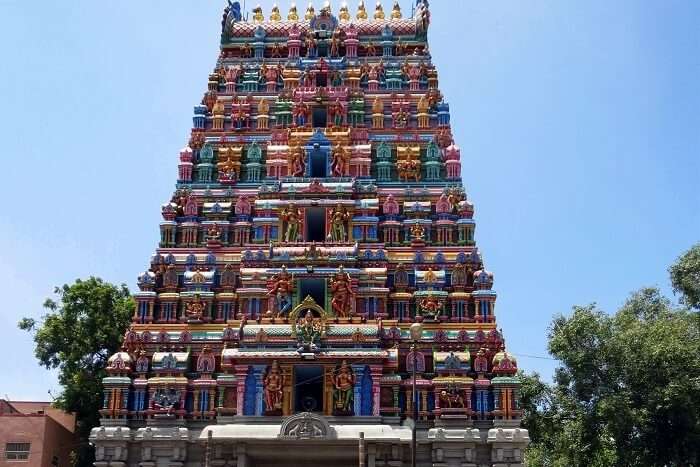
320 117
315 229
316 288
308 388
319 167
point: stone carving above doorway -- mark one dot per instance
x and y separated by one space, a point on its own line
306 425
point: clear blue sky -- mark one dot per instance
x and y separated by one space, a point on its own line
579 123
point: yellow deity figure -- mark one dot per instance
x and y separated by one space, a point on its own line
344 13
293 15
296 162
378 113
339 218
310 12
291 215
275 14
218 108
263 107
258 16
343 384
396 11
423 117
430 277
361 11
273 384
379 11
417 231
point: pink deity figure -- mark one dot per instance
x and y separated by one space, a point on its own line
453 165
390 207
271 79
373 79
294 41
414 74
243 207
351 42
191 208
443 206
231 75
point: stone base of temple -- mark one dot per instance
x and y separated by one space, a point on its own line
307 440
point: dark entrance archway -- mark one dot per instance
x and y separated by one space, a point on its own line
308 388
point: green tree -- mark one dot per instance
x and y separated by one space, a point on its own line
685 277
627 392
80 329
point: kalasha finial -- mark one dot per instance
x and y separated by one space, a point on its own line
326 7
361 10
258 16
293 15
310 12
275 13
379 11
344 14
396 11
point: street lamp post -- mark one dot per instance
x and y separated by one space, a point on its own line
416 332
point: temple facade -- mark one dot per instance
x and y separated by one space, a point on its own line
317 293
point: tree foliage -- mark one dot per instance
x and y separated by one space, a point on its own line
685 277
80 329
627 392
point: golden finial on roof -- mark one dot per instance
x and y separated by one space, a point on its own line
379 11
396 11
310 12
258 16
275 14
344 14
293 15
326 9
361 11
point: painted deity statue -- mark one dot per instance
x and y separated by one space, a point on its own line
195 309
431 305
451 399
301 113
297 167
417 232
339 219
341 289
308 333
281 291
337 112
340 162
291 215
343 385
273 384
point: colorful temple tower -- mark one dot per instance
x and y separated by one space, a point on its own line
317 279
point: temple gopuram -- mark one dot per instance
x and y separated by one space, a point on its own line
317 294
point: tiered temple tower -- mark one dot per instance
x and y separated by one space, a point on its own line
318 252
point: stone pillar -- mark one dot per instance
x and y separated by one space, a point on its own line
359 371
259 371
241 375
376 388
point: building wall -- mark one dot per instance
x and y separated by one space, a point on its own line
22 428
49 431
59 442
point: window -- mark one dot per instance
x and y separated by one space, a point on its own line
17 451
